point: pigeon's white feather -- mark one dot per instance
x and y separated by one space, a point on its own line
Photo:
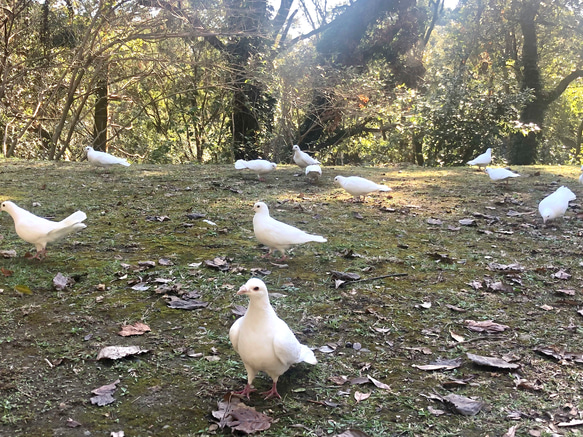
581 177
258 166
302 158
499 174
357 186
263 340
278 235
482 160
555 205
40 231
313 173
103 159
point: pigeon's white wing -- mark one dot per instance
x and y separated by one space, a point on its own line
240 164
234 333
286 346
308 160
362 185
274 233
103 158
32 228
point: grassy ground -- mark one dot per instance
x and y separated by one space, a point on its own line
49 339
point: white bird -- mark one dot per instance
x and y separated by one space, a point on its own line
581 177
555 205
258 166
499 174
264 341
313 173
302 158
357 186
103 159
278 235
482 160
40 231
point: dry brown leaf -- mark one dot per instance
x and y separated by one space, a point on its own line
60 282
457 337
511 431
571 423
236 415
441 365
117 352
11 253
338 380
561 274
463 405
72 423
137 328
361 396
104 394
352 433
378 383
487 326
492 362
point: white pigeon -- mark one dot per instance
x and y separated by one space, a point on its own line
302 158
482 160
103 159
40 231
313 173
258 166
555 205
357 186
277 235
264 341
581 177
499 174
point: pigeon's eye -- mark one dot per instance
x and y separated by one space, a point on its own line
255 288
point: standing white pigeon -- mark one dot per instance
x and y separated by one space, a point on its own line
482 160
357 186
555 205
103 159
258 166
277 235
313 173
302 158
499 174
40 231
264 341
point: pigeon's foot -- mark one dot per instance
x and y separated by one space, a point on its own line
272 393
262 179
40 255
246 391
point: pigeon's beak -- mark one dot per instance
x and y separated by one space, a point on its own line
243 290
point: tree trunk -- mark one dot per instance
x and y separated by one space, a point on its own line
100 123
523 148
579 141
340 45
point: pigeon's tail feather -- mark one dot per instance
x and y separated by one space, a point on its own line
306 355
74 219
240 164
125 163
384 188
317 238
569 195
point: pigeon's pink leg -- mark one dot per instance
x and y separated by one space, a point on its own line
273 392
40 255
245 392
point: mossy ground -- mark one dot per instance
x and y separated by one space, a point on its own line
49 339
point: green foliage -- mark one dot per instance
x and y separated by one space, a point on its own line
463 116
